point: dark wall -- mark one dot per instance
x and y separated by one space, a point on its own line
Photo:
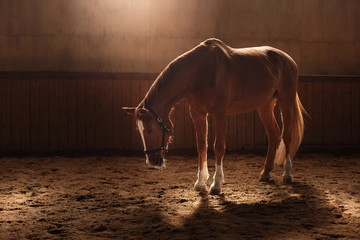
143 36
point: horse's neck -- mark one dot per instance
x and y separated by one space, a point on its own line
168 94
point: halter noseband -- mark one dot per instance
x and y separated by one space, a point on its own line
164 129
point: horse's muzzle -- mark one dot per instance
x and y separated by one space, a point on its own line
156 159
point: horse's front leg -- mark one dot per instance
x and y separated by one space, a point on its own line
219 148
201 127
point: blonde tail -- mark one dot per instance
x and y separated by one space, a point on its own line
297 132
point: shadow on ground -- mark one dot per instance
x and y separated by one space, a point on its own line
218 218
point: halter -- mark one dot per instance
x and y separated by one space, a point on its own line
164 129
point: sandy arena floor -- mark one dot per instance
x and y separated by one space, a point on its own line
122 198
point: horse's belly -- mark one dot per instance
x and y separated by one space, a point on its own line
242 107
247 100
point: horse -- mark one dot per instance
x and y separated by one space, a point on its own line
216 79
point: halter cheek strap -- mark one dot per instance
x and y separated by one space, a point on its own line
165 131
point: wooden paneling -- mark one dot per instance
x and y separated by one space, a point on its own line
126 124
62 113
43 115
58 112
135 100
117 115
20 112
81 126
241 131
90 131
6 121
71 115
249 129
34 115
103 114
231 133
345 94
355 113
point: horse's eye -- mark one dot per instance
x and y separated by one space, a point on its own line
150 130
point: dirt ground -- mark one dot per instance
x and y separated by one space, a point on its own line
121 198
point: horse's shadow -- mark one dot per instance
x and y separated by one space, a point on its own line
305 210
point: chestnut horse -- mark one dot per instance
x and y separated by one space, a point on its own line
218 80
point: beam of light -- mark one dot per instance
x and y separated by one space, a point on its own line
345 201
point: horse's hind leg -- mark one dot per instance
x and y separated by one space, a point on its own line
287 106
200 124
219 148
266 113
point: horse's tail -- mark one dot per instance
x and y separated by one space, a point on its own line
296 132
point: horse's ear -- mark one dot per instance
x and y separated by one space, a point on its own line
129 110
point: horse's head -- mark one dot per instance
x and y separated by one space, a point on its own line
154 133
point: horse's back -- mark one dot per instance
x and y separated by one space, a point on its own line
244 78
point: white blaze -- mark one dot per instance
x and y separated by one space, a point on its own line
140 125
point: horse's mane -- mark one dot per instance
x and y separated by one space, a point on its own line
180 63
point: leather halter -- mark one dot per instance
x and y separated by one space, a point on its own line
164 129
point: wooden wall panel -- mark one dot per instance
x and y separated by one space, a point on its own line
337 112
71 114
34 115
1 113
135 99
107 114
53 115
44 115
44 112
317 115
103 114
241 131
62 111
16 114
249 129
310 95
6 120
328 122
345 94
126 120
90 114
260 133
117 115
81 127
231 133
355 113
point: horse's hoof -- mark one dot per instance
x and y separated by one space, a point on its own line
264 178
215 191
287 179
200 188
